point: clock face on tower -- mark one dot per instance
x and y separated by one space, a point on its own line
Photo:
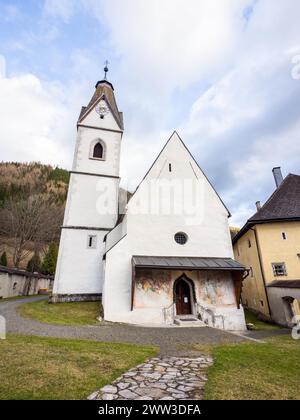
102 110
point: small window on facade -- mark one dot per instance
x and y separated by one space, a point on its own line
170 167
279 269
92 241
262 303
249 243
284 236
181 238
98 151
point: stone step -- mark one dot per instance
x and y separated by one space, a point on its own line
188 322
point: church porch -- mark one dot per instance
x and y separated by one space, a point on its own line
208 289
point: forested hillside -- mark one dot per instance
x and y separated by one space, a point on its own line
20 180
32 200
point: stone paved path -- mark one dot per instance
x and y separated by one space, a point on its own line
161 378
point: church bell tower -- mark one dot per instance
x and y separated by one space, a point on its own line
92 203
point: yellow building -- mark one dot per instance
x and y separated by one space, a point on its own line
269 246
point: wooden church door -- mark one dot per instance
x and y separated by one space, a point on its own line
183 298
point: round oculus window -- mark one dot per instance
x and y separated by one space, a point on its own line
181 238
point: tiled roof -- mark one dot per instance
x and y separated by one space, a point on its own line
9 270
187 263
82 112
283 205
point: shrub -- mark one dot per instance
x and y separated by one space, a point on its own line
34 264
50 259
3 259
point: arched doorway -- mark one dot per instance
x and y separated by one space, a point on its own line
291 308
183 297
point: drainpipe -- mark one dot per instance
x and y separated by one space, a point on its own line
262 270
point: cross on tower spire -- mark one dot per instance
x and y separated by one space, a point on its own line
105 69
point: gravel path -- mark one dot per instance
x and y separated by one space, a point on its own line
172 341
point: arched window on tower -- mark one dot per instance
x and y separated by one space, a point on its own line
98 151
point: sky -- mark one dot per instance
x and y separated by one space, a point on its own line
224 74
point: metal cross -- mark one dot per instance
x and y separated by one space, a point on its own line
105 69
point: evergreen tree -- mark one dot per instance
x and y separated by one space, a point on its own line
3 259
59 174
34 264
50 259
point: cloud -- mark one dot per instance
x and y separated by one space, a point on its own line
10 12
63 9
238 56
218 72
169 44
32 116
2 66
248 122
245 120
38 117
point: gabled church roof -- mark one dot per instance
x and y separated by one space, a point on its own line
104 90
172 137
194 160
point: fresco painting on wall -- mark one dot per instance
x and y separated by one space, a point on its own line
213 290
158 283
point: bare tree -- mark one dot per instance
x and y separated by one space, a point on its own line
35 219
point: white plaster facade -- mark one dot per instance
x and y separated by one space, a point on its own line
175 196
152 234
90 211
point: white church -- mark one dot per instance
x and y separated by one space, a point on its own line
165 257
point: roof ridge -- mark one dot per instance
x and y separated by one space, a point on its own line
194 160
204 174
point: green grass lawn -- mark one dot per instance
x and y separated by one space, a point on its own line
251 318
45 368
73 313
50 368
256 371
